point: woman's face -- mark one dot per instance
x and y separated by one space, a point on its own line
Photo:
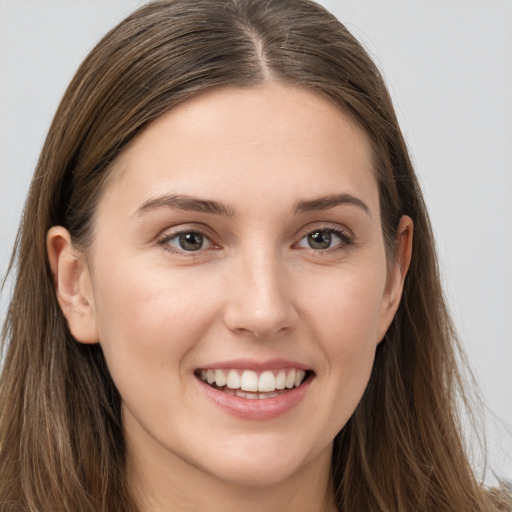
238 282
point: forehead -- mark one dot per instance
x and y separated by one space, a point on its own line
247 143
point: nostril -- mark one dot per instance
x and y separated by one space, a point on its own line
259 324
260 332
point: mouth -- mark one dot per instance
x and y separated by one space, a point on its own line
254 385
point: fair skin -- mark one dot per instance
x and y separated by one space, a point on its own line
267 280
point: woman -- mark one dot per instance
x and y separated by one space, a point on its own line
227 296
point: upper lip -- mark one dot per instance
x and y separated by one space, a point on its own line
257 366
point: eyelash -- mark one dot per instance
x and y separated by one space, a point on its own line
346 240
167 238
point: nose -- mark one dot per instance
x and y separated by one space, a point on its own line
259 297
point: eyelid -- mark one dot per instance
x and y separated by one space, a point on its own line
164 237
345 234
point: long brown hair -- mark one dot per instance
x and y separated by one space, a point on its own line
61 436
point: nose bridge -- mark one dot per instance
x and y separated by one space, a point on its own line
259 297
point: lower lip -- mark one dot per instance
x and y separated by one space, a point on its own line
256 409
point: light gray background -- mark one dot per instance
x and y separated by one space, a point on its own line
449 67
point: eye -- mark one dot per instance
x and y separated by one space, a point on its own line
187 241
325 239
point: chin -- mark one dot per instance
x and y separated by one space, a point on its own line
249 464
252 474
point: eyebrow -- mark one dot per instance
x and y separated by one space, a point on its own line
196 204
186 203
331 201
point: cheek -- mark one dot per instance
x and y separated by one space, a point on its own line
149 319
346 325
346 308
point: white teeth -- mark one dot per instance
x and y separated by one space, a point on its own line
267 382
299 376
290 380
220 378
250 396
233 381
281 380
249 381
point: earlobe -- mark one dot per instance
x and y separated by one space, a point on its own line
73 285
397 272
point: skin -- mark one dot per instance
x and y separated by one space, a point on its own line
257 291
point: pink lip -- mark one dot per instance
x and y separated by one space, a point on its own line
257 409
257 366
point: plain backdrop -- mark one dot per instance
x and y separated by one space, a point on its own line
448 64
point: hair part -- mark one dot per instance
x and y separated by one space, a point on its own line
61 434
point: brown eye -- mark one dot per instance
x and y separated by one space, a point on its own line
191 241
188 241
320 239
325 239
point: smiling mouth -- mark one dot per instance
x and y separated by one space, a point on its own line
254 385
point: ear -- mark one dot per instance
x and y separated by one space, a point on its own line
73 285
396 274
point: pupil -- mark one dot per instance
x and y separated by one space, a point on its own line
191 241
320 240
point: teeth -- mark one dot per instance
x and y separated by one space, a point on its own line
267 382
250 396
233 380
290 380
281 380
220 378
249 381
